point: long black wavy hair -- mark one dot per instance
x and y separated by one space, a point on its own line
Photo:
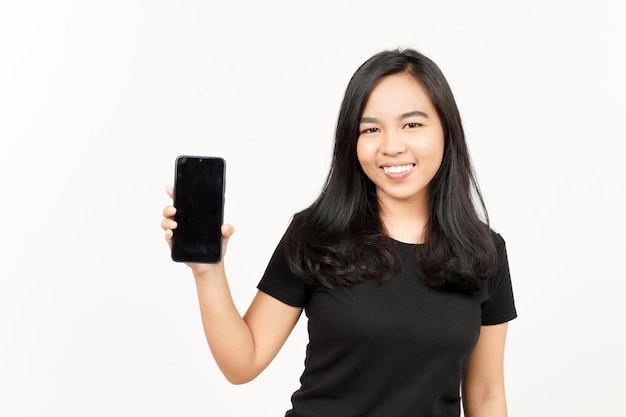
340 238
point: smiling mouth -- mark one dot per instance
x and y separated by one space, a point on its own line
398 169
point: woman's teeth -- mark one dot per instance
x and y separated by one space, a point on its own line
397 169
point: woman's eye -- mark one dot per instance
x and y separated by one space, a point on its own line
370 130
413 125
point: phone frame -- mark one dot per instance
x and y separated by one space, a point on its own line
187 246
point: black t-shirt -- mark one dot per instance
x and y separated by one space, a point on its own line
399 348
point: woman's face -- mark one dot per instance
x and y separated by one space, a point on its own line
401 143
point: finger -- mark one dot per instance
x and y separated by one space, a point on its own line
170 191
169 211
227 230
168 224
168 237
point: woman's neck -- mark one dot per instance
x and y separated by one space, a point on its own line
404 221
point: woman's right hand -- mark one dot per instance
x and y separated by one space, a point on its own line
242 348
168 224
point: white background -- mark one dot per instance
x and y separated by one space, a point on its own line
98 97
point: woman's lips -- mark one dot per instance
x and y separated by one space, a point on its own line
397 171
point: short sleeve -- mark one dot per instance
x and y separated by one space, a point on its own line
500 304
282 284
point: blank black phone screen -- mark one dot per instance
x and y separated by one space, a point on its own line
199 202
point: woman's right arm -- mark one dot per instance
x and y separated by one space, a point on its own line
242 346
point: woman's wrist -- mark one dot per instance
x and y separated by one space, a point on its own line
206 272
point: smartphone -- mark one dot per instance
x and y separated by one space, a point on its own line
199 187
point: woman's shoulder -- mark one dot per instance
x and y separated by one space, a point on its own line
297 224
497 238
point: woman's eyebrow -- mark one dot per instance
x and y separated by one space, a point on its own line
369 120
414 113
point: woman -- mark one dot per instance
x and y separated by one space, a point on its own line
406 288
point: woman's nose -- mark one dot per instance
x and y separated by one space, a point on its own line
392 143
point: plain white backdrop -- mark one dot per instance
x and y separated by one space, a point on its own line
97 98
